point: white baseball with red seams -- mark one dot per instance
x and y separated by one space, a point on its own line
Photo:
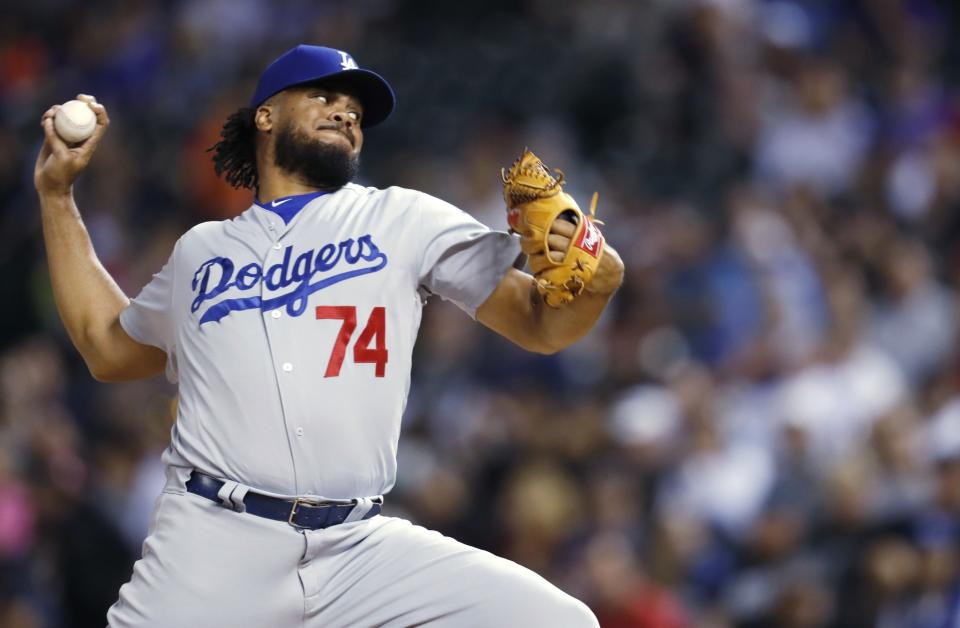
75 121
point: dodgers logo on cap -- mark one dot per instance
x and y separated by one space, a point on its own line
347 62
306 64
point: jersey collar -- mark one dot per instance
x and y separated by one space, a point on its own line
289 206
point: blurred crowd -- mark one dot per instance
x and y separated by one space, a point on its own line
764 428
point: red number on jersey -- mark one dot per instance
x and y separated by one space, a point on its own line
347 314
375 331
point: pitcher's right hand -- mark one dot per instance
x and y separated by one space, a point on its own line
59 164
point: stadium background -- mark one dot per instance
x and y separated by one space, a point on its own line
764 430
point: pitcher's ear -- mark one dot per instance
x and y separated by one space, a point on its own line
263 117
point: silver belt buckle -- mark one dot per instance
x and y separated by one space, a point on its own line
308 502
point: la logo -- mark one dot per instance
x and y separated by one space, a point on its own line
346 61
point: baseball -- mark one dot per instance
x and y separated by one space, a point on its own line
75 121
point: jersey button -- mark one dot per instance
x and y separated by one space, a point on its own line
275 313
277 246
273 226
299 431
287 367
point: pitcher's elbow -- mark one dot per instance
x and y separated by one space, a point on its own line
100 366
101 372
547 346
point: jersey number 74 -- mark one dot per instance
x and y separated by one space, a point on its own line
375 332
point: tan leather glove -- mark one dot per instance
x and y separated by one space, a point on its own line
535 198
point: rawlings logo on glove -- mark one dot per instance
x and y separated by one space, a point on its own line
535 198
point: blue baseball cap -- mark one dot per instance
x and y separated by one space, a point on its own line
305 64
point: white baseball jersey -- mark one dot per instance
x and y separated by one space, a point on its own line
292 342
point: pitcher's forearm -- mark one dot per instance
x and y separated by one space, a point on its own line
561 327
87 297
516 311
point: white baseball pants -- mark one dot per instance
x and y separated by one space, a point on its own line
206 566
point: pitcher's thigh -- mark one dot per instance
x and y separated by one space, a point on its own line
406 575
207 566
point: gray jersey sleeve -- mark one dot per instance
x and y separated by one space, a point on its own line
462 259
149 317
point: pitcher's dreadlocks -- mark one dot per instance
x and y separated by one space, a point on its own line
235 155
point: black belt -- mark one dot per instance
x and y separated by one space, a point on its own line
300 513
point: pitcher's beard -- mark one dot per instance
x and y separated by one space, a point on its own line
321 165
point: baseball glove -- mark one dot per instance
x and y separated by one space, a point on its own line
534 200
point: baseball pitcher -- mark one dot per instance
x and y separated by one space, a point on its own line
289 331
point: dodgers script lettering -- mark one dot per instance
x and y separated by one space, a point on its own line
309 272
